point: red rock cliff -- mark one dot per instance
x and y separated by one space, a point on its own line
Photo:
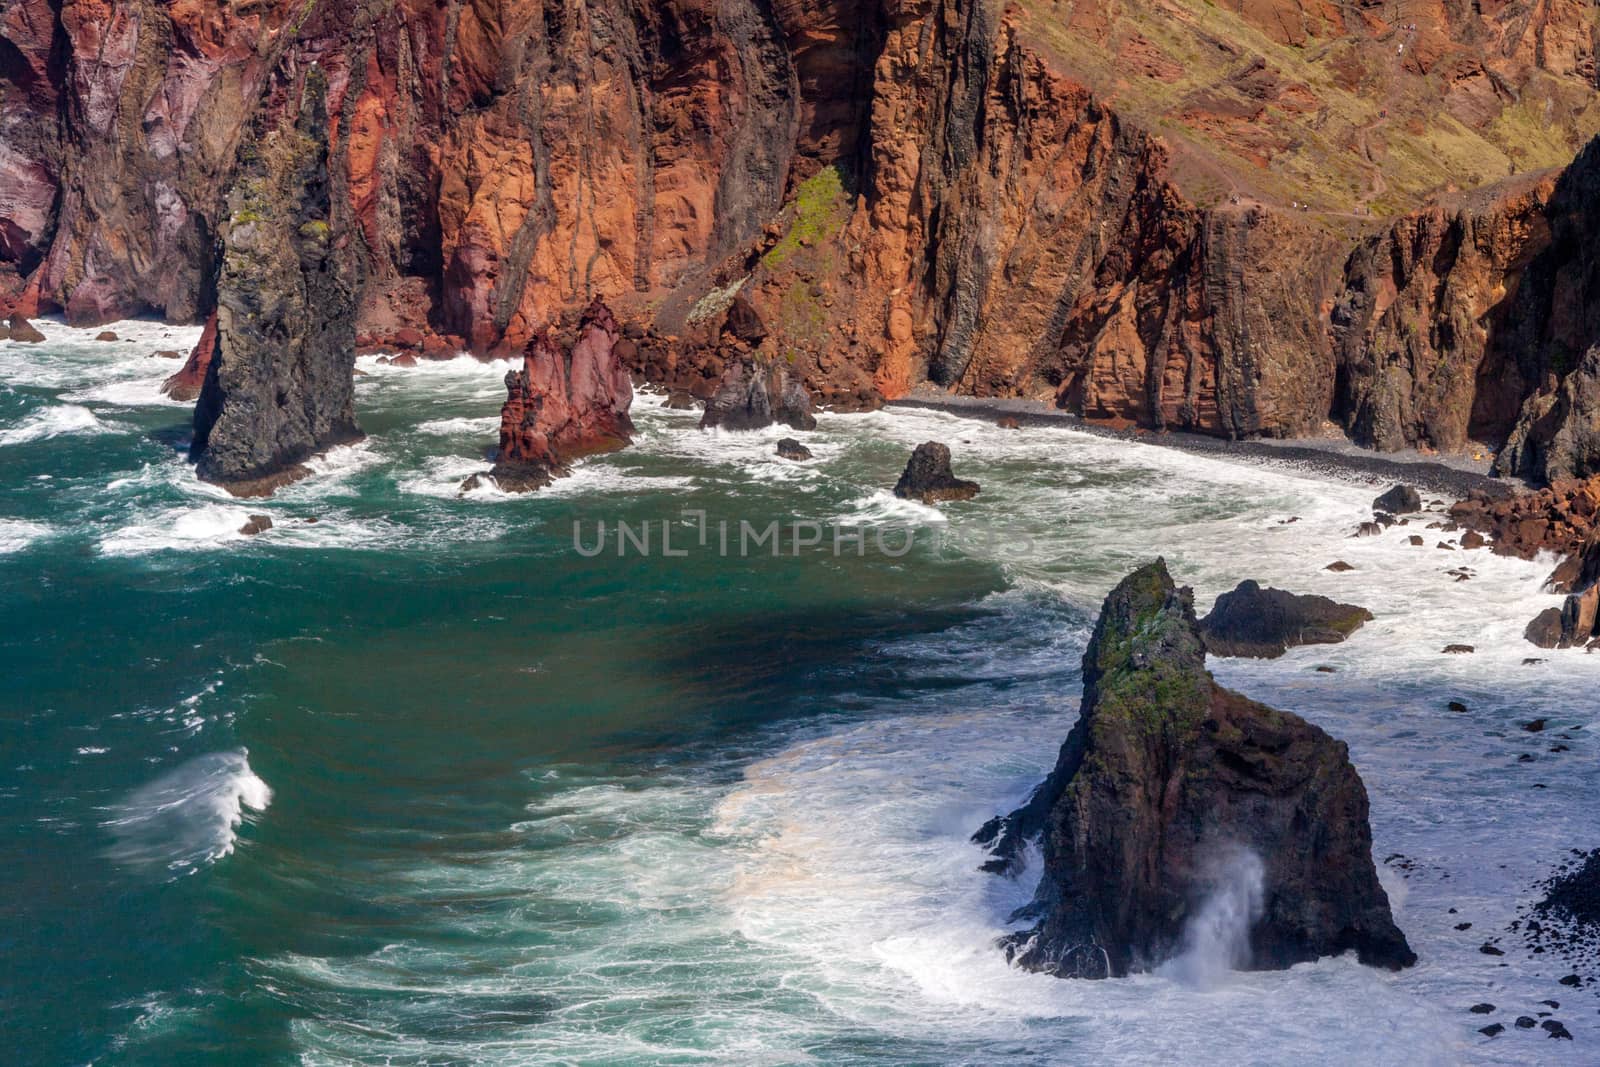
903 190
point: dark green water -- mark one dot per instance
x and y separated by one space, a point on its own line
420 783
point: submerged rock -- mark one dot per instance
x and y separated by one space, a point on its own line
1401 500
789 448
928 477
1166 775
280 385
562 406
754 394
1265 623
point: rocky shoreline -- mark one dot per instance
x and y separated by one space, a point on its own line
1332 459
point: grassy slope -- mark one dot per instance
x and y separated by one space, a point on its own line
1190 71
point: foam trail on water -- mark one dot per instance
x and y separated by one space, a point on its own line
52 422
1216 939
187 818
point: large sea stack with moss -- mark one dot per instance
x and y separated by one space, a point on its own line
1172 791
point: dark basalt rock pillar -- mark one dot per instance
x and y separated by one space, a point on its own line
280 386
1165 772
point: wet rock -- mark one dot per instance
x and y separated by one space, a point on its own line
1492 1030
1571 980
1166 787
20 329
681 400
166 353
1338 566
1008 422
1400 500
754 394
1536 726
1265 623
1456 705
107 335
1545 629
258 524
928 477
789 448
1526 1022
1368 529
404 359
1458 650
1556 1029
1482 1009
1473 539
1492 950
1414 539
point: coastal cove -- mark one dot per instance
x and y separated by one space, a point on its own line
405 778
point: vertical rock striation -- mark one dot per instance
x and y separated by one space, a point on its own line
1164 772
279 386
563 405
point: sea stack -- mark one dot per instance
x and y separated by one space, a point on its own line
280 384
561 406
1164 777
928 477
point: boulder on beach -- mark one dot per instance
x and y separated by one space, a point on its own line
1401 500
928 477
789 448
1264 623
1175 801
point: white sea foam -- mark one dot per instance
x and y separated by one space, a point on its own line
18 534
1216 939
180 528
54 421
188 817
486 426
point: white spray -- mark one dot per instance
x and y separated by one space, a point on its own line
1216 939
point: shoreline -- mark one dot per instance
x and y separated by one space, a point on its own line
1337 459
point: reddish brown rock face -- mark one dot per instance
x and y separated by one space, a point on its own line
564 405
900 190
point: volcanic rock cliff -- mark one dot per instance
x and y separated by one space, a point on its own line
279 385
1163 775
1236 219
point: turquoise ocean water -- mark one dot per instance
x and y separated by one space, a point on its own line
418 782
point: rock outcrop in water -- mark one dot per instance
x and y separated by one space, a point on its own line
562 406
928 477
186 384
1265 623
755 393
1164 772
280 386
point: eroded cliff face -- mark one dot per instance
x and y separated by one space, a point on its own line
903 191
279 384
